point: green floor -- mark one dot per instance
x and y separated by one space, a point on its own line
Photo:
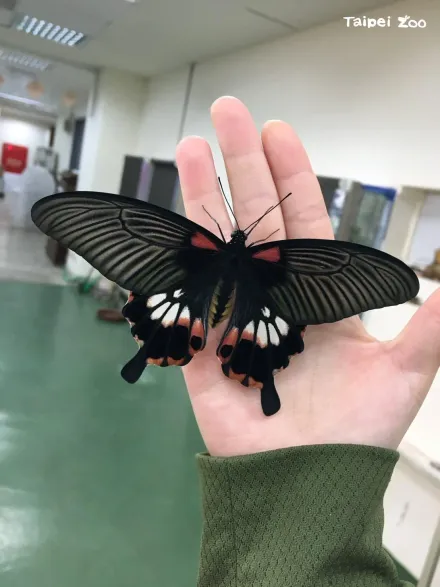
98 484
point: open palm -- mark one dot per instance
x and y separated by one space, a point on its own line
346 387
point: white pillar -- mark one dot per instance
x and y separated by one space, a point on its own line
63 142
111 132
112 128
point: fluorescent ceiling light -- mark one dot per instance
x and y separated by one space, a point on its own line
23 59
27 102
49 31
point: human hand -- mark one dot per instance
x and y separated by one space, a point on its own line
346 387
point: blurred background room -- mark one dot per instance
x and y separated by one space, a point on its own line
95 96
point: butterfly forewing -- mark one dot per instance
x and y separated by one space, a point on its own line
137 245
321 281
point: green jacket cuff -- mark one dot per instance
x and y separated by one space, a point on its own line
304 516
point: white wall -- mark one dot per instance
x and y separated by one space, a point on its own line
427 233
25 133
364 101
112 129
162 113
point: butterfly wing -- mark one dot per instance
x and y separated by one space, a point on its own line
169 328
287 285
169 263
258 342
139 246
313 281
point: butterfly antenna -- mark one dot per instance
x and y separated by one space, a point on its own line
254 224
262 240
219 227
228 203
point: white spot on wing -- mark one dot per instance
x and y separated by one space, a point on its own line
185 313
250 328
283 327
273 335
262 334
155 300
266 312
178 293
171 315
158 312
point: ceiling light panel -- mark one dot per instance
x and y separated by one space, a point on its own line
44 29
24 60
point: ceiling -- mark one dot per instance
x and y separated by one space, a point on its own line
148 37
58 79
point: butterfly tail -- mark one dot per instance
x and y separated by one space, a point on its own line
132 371
270 400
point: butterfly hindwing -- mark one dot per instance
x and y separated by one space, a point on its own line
169 328
257 344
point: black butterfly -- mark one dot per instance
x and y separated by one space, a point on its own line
183 279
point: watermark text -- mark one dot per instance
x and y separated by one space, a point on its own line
400 22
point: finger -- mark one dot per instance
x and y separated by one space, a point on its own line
199 185
417 348
305 213
252 187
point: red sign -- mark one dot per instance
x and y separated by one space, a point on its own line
14 158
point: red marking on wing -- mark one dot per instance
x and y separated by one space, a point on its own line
236 376
176 362
203 242
273 255
231 338
255 383
247 335
197 329
157 362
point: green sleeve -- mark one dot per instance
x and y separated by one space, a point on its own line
309 516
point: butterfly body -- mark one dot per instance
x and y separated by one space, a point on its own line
185 280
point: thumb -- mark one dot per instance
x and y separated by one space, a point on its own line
418 346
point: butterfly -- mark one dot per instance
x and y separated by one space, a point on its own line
184 280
